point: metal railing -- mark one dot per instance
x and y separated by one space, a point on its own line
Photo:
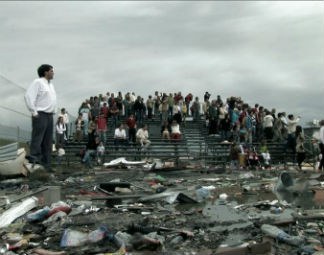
14 133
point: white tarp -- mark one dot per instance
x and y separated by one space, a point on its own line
13 165
123 161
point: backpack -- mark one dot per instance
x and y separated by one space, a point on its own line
248 122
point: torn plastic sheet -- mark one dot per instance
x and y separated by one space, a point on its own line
170 197
123 161
17 210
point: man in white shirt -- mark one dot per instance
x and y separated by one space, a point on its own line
40 99
268 125
292 123
291 129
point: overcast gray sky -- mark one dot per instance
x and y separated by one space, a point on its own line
267 52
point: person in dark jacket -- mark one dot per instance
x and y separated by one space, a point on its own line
91 151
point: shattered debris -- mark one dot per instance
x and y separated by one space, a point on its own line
134 210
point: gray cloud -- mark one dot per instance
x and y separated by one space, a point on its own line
265 52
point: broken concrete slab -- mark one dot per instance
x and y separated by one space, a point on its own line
226 217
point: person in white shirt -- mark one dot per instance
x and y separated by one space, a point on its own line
100 152
292 123
60 128
66 121
291 129
40 99
120 138
86 116
142 137
177 112
175 131
133 97
283 118
268 126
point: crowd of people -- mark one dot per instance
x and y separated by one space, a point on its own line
232 119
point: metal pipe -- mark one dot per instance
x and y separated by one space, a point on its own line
24 196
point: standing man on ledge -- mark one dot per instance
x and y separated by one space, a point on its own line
40 100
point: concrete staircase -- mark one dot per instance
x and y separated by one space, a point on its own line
195 145
192 145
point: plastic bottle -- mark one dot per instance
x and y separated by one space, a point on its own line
38 215
276 210
98 234
202 194
66 209
281 235
54 218
73 238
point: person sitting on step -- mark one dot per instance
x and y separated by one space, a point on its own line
142 136
166 130
175 131
120 138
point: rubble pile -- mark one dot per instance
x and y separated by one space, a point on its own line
137 210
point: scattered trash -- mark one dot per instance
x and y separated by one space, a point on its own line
12 160
150 213
170 197
279 234
74 238
202 194
111 186
145 242
154 178
223 196
38 215
123 162
17 210
285 181
40 251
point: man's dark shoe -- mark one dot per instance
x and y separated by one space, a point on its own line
32 159
50 170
